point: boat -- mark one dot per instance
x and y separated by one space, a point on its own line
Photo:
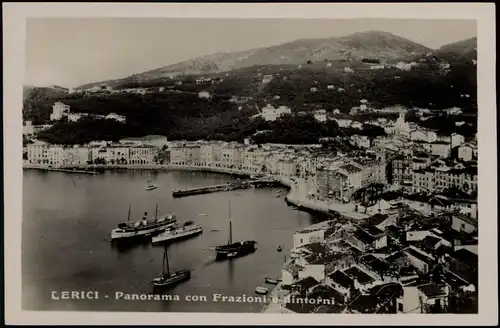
234 249
188 230
143 227
272 281
278 196
170 278
151 186
262 290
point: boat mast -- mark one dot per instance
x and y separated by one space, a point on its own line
128 218
166 269
156 213
230 225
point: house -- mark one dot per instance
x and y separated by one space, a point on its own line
422 261
453 111
308 236
59 110
348 70
464 265
362 280
314 89
320 115
341 282
330 87
457 140
305 285
290 273
425 298
381 221
204 95
367 237
466 152
360 141
463 223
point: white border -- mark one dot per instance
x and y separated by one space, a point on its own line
14 16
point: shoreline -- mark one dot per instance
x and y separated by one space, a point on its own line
293 198
294 184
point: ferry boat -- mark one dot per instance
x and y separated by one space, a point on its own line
234 249
188 230
261 290
170 278
144 227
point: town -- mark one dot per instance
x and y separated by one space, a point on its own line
403 234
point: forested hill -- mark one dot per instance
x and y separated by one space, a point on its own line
178 113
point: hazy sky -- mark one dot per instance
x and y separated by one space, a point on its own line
74 51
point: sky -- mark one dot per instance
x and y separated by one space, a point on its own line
74 51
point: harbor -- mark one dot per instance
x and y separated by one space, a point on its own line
130 269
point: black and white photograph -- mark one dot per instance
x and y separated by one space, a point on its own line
253 165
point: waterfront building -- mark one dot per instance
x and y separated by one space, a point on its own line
269 113
308 236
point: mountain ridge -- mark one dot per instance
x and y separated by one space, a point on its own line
353 47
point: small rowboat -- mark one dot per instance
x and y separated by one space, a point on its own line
261 290
271 281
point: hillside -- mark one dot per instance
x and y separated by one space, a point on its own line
465 48
354 47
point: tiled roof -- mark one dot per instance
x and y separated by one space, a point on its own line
341 278
359 275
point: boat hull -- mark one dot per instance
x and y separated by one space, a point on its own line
172 279
141 232
164 237
235 250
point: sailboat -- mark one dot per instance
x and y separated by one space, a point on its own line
151 186
170 278
234 249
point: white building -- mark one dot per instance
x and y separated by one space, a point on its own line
466 152
28 128
401 126
116 117
453 111
457 140
74 117
59 110
204 95
320 115
269 113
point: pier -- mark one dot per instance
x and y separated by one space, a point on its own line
225 187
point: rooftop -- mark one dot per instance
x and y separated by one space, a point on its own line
432 290
306 283
371 229
364 237
342 279
419 255
359 275
377 219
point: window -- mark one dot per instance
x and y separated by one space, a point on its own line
400 307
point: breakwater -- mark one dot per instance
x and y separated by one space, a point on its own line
230 186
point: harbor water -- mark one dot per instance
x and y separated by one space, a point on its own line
67 219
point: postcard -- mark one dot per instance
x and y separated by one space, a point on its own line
250 163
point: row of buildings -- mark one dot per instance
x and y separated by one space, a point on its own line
61 110
94 153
